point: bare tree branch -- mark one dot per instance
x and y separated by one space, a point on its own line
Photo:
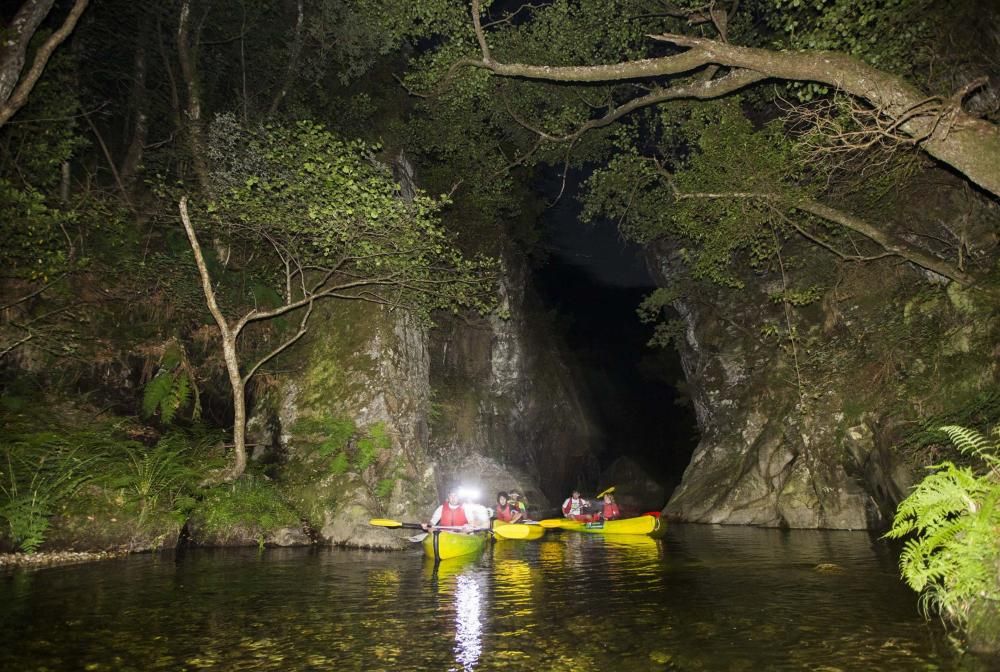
865 228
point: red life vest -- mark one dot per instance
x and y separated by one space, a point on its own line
611 511
504 513
452 517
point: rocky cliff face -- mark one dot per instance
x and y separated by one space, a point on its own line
812 418
385 416
507 410
350 432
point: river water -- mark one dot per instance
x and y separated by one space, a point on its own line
703 598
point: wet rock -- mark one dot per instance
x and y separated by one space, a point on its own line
503 392
491 477
113 532
805 414
983 632
288 536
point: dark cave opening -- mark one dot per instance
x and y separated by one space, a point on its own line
590 283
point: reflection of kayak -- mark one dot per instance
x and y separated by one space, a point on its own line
441 544
644 542
650 525
444 572
505 530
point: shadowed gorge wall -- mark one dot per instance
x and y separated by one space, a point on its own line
826 431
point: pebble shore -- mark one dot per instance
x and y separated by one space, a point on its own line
38 560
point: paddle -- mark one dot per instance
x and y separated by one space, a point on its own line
387 522
396 524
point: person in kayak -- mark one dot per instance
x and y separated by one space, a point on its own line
517 502
506 510
451 513
575 507
610 510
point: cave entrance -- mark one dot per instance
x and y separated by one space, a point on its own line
590 282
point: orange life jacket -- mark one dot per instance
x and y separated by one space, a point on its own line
452 517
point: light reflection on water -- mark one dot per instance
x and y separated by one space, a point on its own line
468 629
704 598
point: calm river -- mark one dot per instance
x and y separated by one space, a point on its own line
703 598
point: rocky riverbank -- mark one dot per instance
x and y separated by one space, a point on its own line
9 561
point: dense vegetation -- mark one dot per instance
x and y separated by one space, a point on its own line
288 129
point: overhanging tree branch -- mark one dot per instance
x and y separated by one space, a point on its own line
831 214
968 144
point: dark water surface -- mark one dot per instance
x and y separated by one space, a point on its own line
704 598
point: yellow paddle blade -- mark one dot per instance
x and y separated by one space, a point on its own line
606 492
385 522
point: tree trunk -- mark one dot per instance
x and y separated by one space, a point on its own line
14 45
139 105
239 407
230 355
187 54
293 59
15 88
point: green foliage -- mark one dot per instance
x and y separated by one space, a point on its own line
165 476
385 487
330 437
171 387
38 472
56 460
979 409
798 297
953 557
653 309
32 239
889 34
371 445
724 200
45 132
250 502
340 464
329 204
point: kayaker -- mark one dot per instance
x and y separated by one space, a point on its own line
517 502
610 510
451 513
506 510
575 507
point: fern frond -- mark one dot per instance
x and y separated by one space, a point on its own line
971 442
156 391
953 557
175 400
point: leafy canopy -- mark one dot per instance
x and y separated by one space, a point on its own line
328 205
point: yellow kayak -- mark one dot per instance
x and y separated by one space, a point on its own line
441 544
650 525
525 531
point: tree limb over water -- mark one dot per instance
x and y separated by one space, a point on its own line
966 143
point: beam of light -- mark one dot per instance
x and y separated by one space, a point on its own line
469 629
467 494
